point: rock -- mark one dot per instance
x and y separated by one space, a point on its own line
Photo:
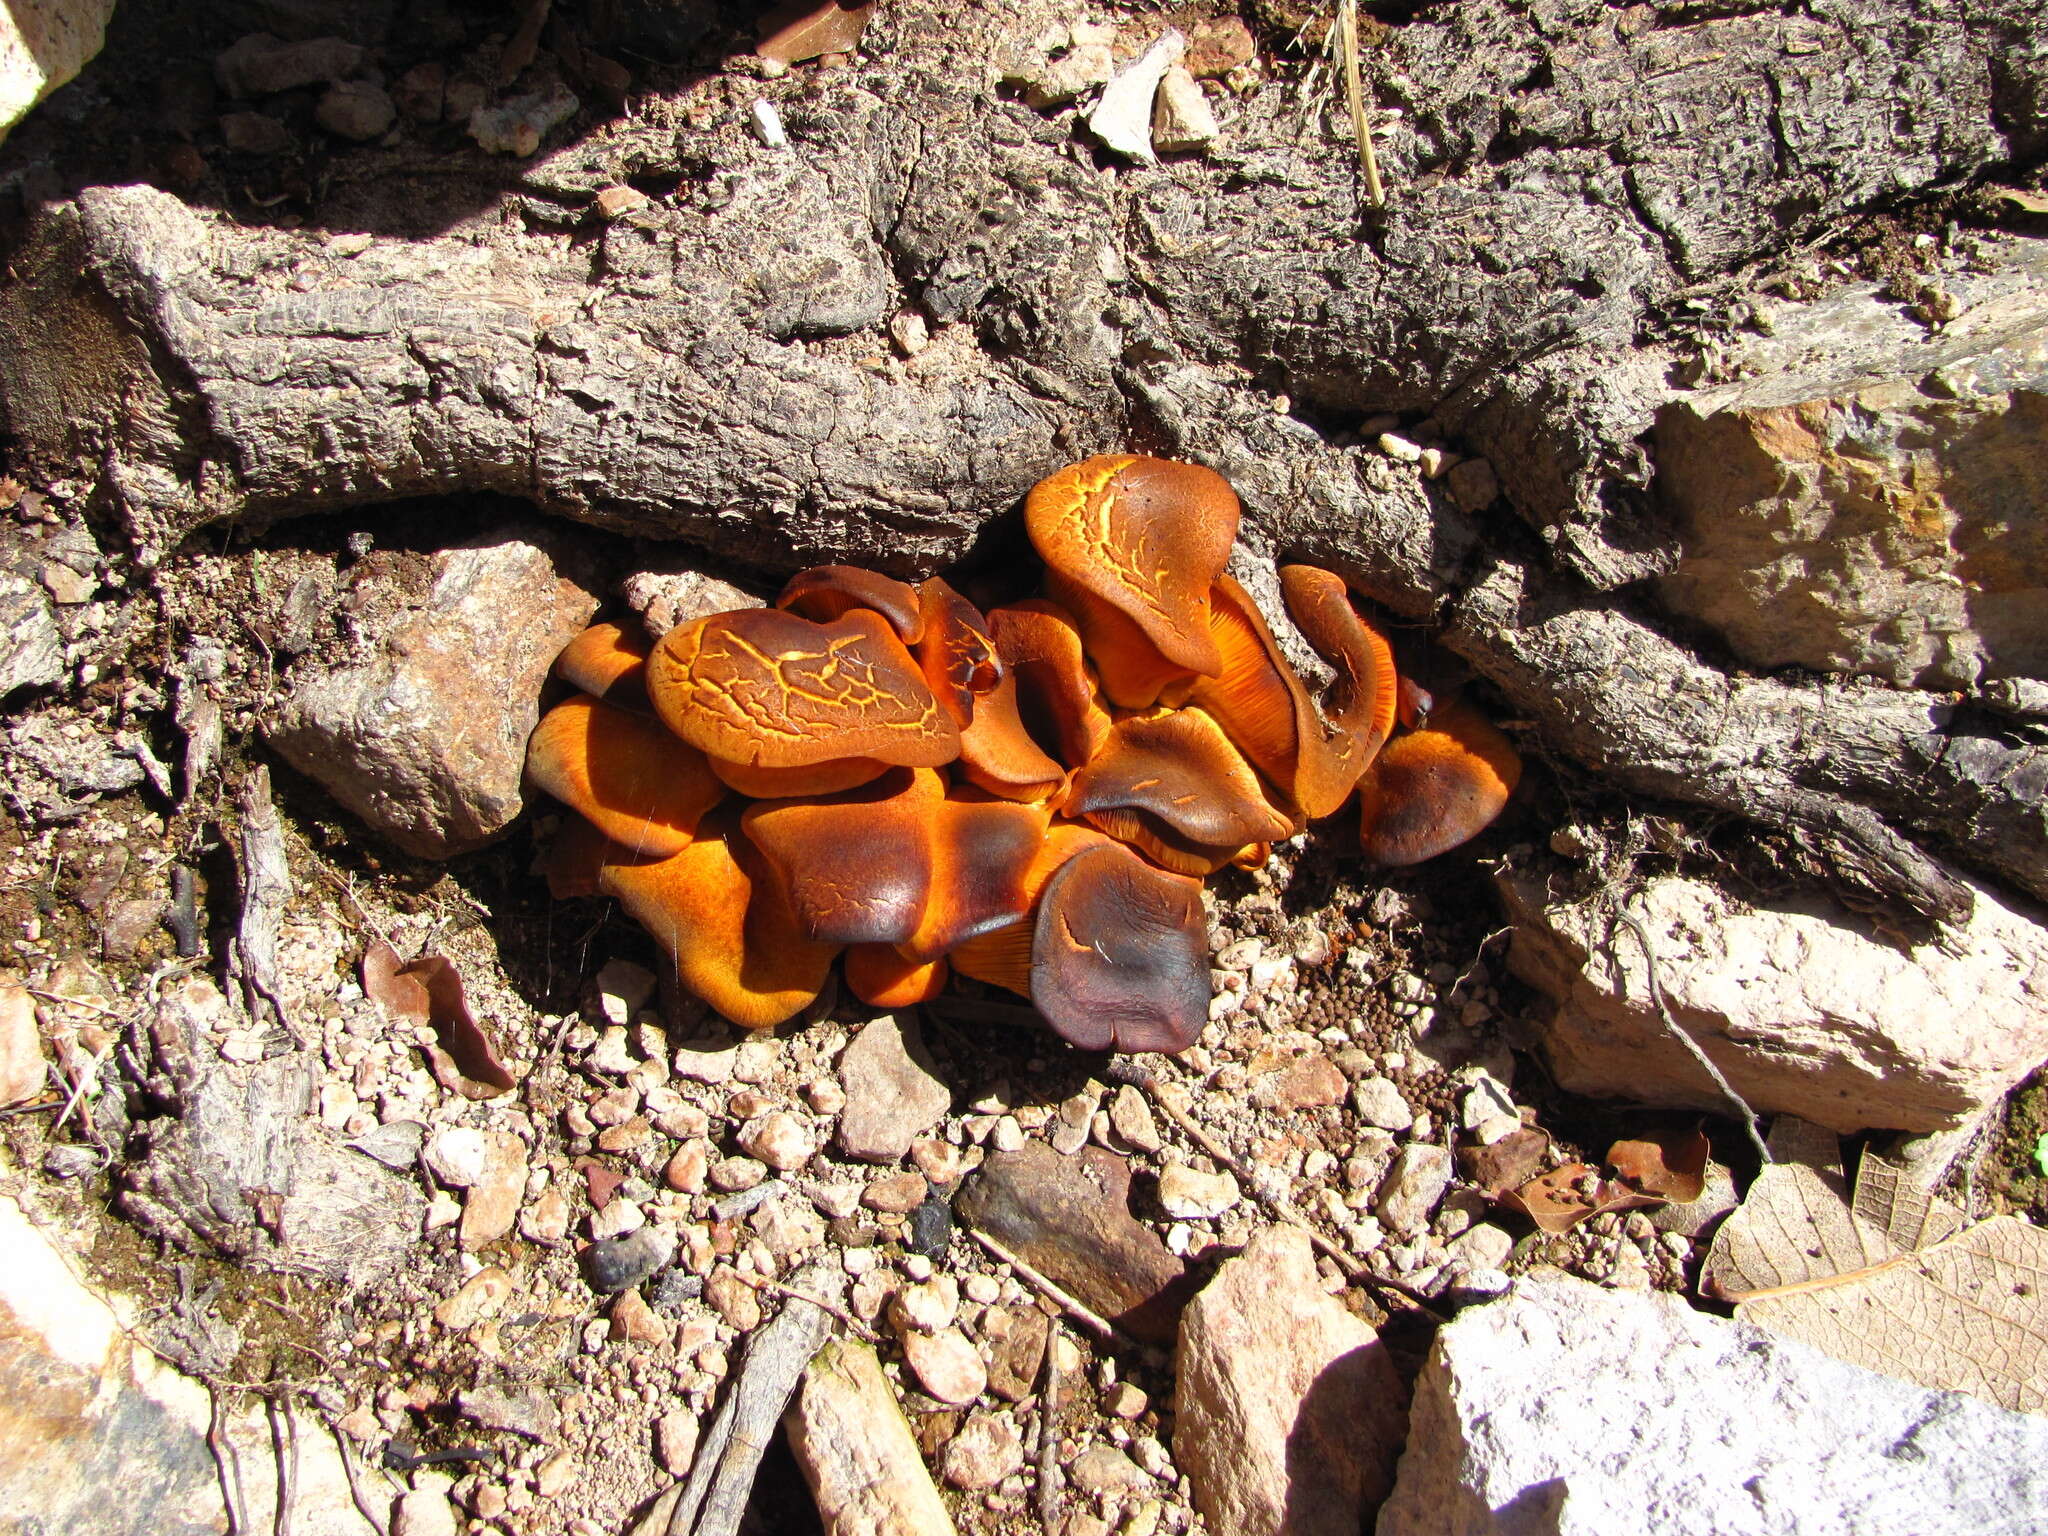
44 43
1125 1400
618 1262
457 1156
893 1091
421 92
1104 1469
23 1071
733 1299
1420 1174
31 649
1307 1082
424 1512
1047 83
1484 1246
1565 1406
426 739
1802 1004
1014 1339
1474 486
521 1408
517 126
986 1449
1289 1413
623 989
1130 1116
664 599
89 1412
1070 1218
482 1295
545 1218
779 1139
926 1307
686 1171
1188 1194
262 65
865 1472
675 1441
1122 117
1379 1103
946 1365
1218 46
1849 503
492 1204
898 1193
1181 117
356 110
634 1322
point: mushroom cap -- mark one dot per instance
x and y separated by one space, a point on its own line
1178 767
1437 787
1120 954
608 661
1002 956
900 861
1363 698
1166 847
635 782
1147 537
575 859
1135 673
957 653
880 976
997 753
826 778
825 592
1058 697
768 688
732 936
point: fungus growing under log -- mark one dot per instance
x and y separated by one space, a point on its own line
940 792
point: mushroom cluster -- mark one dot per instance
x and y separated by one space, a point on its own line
1030 796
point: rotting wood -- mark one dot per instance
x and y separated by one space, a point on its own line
266 889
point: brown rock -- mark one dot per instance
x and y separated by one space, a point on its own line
686 1171
491 1204
482 1295
634 1322
1217 47
898 1192
1015 1338
947 1365
23 1072
1289 1414
1105 1469
893 1091
1307 1082
986 1450
1070 1218
804 29
733 1299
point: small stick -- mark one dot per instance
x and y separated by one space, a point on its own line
1092 1321
1748 1115
76 1002
854 1324
226 1464
285 1448
1354 93
1049 1478
355 1488
86 1080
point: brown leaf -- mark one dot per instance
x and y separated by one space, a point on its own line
1795 1224
1562 1198
1961 1316
1909 1216
1672 1165
428 991
804 29
1508 1163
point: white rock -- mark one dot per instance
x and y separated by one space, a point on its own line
1122 119
1413 1185
1181 118
1484 1246
1566 1408
23 1072
1800 1002
1188 1194
44 43
456 1156
768 124
1379 1103
623 989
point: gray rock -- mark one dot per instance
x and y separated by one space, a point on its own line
893 1091
357 110
856 1451
666 598
262 65
1564 1407
31 649
1420 1174
1378 1102
1289 1412
1804 1005
44 43
425 738
523 1409
618 1262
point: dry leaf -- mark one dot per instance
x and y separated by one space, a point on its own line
1672 1165
1965 1315
429 991
1508 1163
802 30
1795 1224
1559 1200
2027 202
1890 1201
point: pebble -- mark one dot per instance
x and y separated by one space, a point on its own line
1130 1116
768 124
1015 1340
900 1193
424 1512
1125 1400
1308 1082
556 1475
757 1059
623 988
779 1139
1379 1103
926 1307
1181 116
1412 1187
733 1299
675 1441
456 1156
946 1365
1073 1119
986 1450
835 1200
687 1171
706 1063
356 110
825 1096
736 1173
1483 1246
1473 484
618 1262
521 1410
634 1322
893 1091
1187 1194
1122 115
940 1162
931 1229
1395 446
1103 1469
482 1295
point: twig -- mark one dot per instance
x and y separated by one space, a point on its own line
763 1283
1354 93
355 1488
1684 1037
285 1447
1049 1477
1092 1321
226 1464
77 1002
86 1080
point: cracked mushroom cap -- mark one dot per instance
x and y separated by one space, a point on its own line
1434 788
1132 546
608 661
1120 954
1058 697
1171 782
635 782
901 861
827 592
957 653
769 689
1363 700
725 923
1002 956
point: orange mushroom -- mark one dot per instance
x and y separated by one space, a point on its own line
882 977
1132 546
765 688
827 778
1120 954
1058 698
1437 787
957 653
1364 698
609 661
1002 956
636 783
575 859
997 753
1170 782
826 592
725 923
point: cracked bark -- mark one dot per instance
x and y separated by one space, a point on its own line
710 368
